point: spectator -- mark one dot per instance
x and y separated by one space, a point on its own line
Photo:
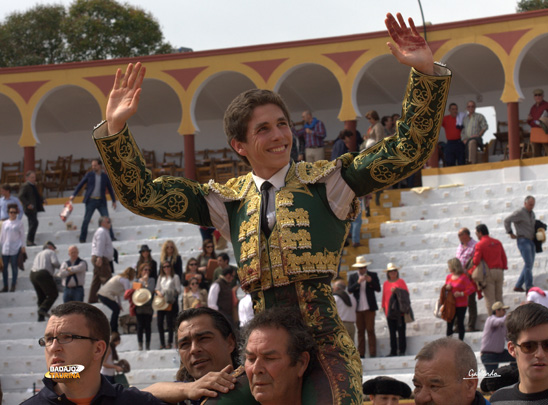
454 149
97 183
375 133
41 277
145 256
191 271
492 252
102 253
465 254
313 134
278 334
223 261
363 284
442 374
458 283
245 310
388 125
524 222
207 253
346 307
33 203
168 287
493 341
12 240
73 275
537 110
396 326
528 343
109 364
386 390
169 253
208 333
142 298
7 199
538 295
475 126
111 293
78 333
194 297
221 294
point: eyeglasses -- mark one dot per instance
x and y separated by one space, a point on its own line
193 264
166 266
63 338
532 347
12 212
538 94
193 283
470 106
209 247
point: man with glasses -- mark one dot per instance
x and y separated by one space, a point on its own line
475 126
78 334
102 253
527 336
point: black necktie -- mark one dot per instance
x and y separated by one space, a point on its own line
264 208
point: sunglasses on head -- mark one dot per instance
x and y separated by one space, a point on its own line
532 346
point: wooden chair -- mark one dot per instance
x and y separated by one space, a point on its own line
223 171
242 168
204 173
501 137
150 158
9 169
173 159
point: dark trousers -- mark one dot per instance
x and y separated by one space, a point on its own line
45 287
92 205
365 321
115 308
169 316
10 260
73 294
472 311
144 322
460 312
491 360
454 153
397 327
100 276
32 217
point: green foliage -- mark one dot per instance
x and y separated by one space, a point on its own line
529 5
90 30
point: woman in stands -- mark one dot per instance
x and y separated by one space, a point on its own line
170 254
169 287
12 239
195 297
112 292
144 311
459 284
395 326
191 271
145 256
208 252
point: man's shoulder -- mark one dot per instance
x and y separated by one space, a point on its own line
512 394
125 395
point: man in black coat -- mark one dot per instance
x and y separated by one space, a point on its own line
363 285
33 203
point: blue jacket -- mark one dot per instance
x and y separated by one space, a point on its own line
89 179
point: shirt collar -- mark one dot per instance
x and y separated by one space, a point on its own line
277 181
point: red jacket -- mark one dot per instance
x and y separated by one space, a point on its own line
491 251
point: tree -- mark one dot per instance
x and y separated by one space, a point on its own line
529 5
90 30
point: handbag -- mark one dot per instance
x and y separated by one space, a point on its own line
479 275
121 379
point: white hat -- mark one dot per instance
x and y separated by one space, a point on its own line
391 267
499 305
361 262
141 296
159 303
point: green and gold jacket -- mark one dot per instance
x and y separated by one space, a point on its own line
308 237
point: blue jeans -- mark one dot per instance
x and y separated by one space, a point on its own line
454 153
356 229
92 205
73 294
491 360
14 269
527 249
115 308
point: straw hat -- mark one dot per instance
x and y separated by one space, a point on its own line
499 305
361 262
141 296
159 303
391 267
541 235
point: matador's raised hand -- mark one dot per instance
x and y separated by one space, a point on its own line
410 49
124 97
